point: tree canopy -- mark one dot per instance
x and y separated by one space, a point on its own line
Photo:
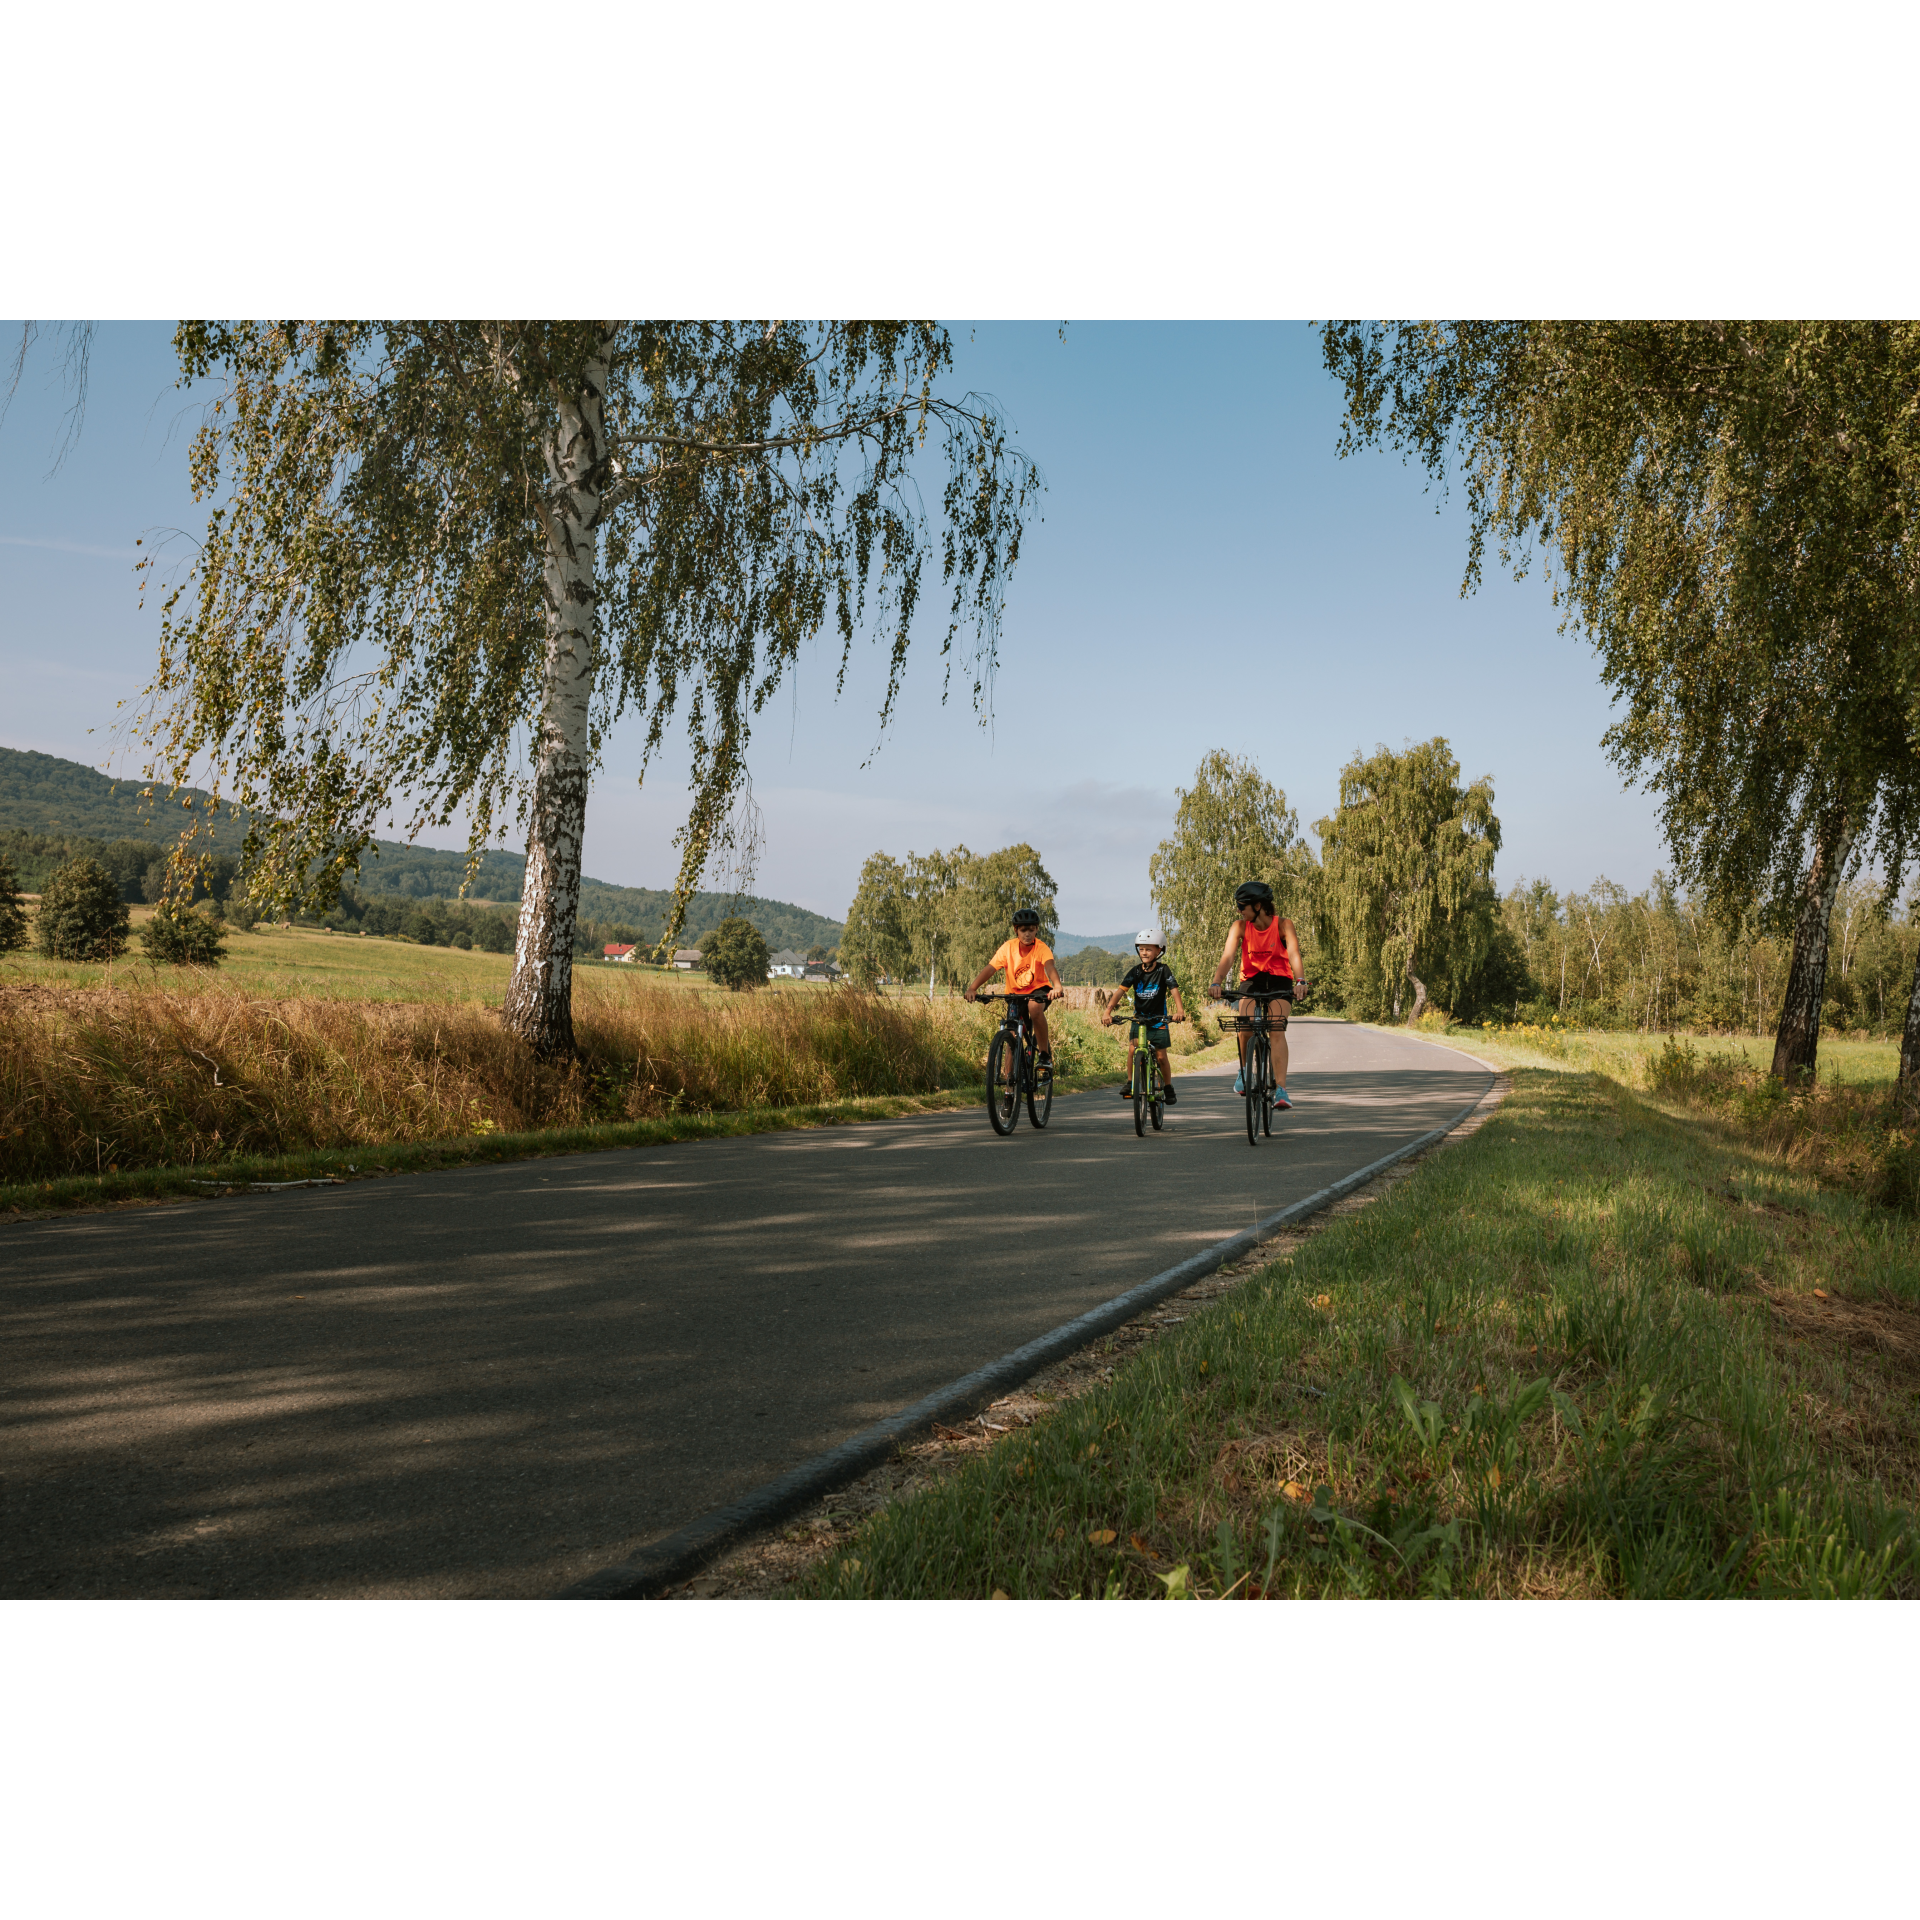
736 955
942 913
1229 826
1407 876
444 557
1728 511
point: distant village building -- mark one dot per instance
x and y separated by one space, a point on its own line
787 965
686 958
613 951
822 970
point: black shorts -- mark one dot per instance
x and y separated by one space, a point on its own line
1279 983
1158 1034
1017 1002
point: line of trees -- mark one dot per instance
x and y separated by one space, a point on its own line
939 916
138 867
1727 511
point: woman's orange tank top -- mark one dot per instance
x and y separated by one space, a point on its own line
1263 952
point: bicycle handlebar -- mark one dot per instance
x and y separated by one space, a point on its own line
1246 993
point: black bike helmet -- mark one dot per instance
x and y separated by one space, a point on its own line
1252 893
1026 917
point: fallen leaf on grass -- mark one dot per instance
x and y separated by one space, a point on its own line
1323 1300
1493 1476
1101 1537
1140 1546
1819 1293
1293 1490
1000 1593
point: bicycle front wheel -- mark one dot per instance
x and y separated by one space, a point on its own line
1252 1075
1139 1097
1003 1083
1039 1095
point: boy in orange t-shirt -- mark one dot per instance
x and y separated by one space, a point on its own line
1027 961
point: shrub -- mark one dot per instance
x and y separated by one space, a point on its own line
736 954
183 938
82 916
13 916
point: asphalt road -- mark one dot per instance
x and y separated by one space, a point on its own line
497 1379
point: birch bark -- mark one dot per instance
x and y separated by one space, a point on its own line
1796 1046
539 1003
1910 1035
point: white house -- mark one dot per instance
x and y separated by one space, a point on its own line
686 958
787 965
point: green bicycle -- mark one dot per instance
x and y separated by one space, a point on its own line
1149 1093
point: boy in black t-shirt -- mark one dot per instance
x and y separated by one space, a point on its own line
1153 987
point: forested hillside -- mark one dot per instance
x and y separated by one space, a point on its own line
44 795
58 808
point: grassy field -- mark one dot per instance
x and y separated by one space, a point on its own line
1862 1063
1609 1345
308 1049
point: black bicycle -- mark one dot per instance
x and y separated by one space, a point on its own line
1013 1069
1256 1071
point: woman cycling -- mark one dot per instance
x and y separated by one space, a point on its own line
1268 951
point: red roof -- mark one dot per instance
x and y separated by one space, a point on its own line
613 952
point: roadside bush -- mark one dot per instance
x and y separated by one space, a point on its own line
82 916
183 938
736 955
13 916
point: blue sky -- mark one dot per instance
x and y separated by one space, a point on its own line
1207 573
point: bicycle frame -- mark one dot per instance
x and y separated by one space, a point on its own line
1009 1079
1256 1071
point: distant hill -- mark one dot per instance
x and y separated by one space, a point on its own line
1066 943
44 795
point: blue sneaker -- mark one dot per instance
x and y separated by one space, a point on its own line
1280 1099
1240 1082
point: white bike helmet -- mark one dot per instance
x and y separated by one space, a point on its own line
1150 937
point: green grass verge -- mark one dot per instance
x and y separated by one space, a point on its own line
1578 1353
22 1198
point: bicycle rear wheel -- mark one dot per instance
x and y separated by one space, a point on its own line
1003 1083
1157 1106
1039 1093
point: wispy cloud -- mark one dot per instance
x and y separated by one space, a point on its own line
50 544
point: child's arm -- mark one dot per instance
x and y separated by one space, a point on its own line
1179 1007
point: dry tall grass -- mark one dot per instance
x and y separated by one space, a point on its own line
1864 1137
99 1078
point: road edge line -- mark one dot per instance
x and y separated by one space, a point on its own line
683 1552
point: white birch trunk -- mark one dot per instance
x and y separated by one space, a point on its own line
539 1003
1796 1046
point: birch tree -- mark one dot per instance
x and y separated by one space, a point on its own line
1231 825
443 558
1407 866
1728 511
